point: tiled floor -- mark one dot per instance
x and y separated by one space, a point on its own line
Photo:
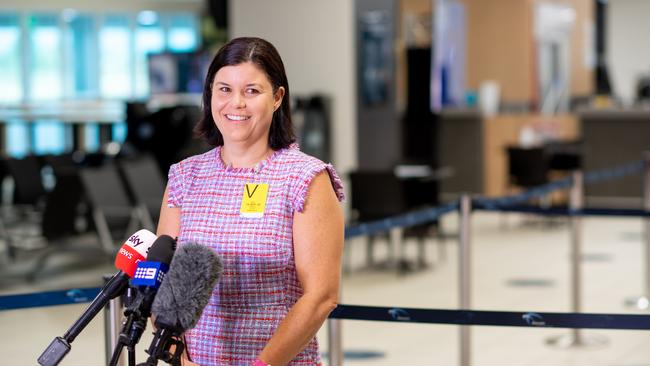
515 266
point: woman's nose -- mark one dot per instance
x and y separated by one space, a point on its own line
238 101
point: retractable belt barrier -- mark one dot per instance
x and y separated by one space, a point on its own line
49 298
406 220
493 318
564 211
391 314
513 203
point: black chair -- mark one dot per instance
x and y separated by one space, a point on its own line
28 184
60 227
564 155
62 164
113 213
377 195
146 186
527 167
23 217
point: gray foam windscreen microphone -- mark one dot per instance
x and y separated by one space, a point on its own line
186 290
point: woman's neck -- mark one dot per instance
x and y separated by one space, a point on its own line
239 156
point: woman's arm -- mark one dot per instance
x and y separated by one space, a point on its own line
318 246
170 219
170 224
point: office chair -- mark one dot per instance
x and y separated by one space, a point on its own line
529 168
564 156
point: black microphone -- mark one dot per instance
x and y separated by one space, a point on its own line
194 271
132 251
148 277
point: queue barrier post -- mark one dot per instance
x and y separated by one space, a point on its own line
464 274
643 302
576 203
646 225
334 338
113 326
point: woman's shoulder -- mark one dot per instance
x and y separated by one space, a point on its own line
303 169
297 159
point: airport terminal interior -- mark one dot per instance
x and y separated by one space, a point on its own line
494 156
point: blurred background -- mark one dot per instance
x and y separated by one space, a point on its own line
417 100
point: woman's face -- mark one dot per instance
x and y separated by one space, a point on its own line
243 103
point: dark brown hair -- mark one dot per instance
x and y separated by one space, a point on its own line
264 55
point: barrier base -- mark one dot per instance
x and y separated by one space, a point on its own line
571 340
641 303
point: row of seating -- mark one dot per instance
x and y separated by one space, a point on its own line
106 197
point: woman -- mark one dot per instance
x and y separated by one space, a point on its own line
270 211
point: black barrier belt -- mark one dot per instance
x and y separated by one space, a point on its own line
492 318
509 203
590 177
50 298
618 171
403 315
405 220
564 211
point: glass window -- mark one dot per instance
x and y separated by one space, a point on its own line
81 53
91 137
119 132
45 72
17 139
10 65
149 38
182 33
114 55
49 137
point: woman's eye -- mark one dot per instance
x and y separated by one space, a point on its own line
224 89
251 91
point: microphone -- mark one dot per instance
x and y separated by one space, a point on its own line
194 271
148 277
133 250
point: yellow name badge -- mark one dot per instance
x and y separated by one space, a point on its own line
253 201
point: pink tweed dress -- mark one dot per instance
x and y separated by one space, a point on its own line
259 283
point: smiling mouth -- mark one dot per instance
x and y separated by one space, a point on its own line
238 118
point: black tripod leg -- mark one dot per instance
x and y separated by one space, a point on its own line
117 352
131 350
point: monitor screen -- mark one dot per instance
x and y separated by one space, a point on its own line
177 73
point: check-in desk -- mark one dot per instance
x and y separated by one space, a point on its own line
475 147
611 138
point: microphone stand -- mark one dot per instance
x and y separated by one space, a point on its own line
125 341
60 346
134 325
160 349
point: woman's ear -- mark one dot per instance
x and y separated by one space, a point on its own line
279 94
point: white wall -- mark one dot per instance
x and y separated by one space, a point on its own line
316 41
627 44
